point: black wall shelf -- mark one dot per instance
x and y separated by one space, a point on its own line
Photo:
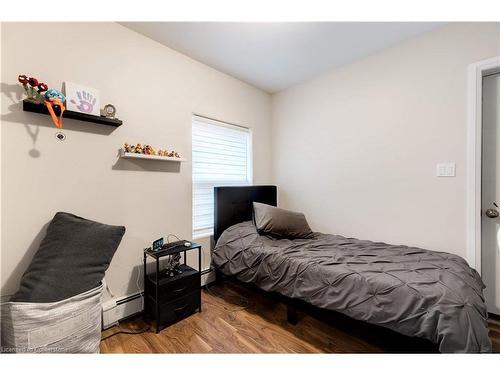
31 106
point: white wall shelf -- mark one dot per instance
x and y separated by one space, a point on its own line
131 155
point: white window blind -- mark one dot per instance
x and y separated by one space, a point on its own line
221 157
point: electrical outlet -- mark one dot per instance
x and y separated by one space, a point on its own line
445 170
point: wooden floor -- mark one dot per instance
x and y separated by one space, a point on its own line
238 319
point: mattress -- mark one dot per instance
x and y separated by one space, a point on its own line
416 292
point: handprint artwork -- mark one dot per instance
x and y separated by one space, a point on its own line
86 101
82 99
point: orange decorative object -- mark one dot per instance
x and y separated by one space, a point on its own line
53 98
50 106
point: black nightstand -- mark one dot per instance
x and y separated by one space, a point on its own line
168 299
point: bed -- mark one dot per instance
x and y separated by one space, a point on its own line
416 292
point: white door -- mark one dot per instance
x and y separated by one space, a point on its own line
490 198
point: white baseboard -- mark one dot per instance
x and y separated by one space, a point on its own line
118 309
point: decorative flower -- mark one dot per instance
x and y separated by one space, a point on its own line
42 87
22 79
33 81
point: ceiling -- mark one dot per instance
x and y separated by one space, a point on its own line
275 56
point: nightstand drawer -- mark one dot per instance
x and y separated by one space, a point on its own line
181 288
180 308
176 288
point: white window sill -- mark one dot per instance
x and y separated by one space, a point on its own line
203 235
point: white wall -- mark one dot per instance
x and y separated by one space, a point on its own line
356 149
155 90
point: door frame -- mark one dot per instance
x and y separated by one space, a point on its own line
476 71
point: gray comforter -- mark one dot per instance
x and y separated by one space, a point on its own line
416 292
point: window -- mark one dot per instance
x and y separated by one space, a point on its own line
221 157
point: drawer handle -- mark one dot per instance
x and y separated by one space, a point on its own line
180 308
179 290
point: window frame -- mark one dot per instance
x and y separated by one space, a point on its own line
249 176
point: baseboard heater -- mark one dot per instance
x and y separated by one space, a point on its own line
117 309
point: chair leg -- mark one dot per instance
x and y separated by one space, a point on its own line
291 314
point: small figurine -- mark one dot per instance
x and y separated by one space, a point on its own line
138 149
173 265
148 150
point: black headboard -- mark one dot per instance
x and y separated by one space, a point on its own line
234 204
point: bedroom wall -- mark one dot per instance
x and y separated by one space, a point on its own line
155 90
356 149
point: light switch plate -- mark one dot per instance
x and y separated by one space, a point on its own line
445 170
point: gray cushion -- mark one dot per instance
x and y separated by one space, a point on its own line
279 222
71 259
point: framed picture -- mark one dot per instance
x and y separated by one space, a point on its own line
81 98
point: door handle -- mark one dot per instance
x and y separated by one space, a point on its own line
492 212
